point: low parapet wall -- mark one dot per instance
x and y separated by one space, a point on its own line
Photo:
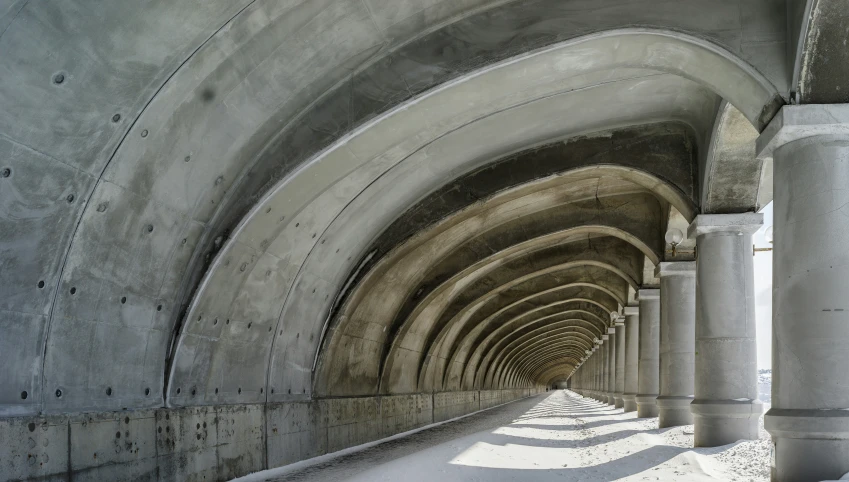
218 442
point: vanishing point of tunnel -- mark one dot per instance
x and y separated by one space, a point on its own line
236 235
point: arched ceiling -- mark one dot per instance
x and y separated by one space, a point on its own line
241 202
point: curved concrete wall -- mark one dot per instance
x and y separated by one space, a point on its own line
197 199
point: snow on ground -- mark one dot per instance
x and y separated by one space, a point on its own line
559 436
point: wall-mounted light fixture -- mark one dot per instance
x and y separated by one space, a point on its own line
768 236
673 238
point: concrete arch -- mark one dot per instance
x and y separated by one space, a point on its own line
543 251
557 373
181 213
517 343
498 354
526 364
305 302
543 364
558 364
564 344
288 344
191 193
444 257
602 254
483 357
571 319
554 365
464 365
440 376
539 282
502 305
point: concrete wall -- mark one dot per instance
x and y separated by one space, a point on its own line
217 442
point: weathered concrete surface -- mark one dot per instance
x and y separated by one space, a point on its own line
648 379
611 364
732 169
619 401
632 359
252 204
823 64
140 90
217 443
726 408
410 272
810 390
677 342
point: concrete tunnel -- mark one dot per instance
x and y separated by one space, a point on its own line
314 224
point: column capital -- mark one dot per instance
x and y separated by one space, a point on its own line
632 310
675 268
604 337
620 321
648 294
611 330
794 122
744 223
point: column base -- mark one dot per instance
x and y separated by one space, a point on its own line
611 398
674 411
646 406
721 422
629 402
617 401
809 444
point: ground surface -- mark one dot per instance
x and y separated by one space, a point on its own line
557 436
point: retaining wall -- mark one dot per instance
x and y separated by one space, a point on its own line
217 443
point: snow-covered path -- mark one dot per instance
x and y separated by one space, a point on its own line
557 436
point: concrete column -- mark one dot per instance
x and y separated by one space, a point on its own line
597 375
632 347
648 380
611 363
620 363
726 408
599 371
595 372
677 342
592 372
585 367
605 368
575 378
580 375
809 420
